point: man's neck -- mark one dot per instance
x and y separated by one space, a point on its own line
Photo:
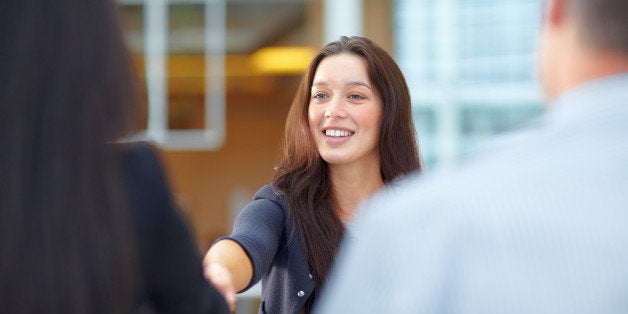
592 65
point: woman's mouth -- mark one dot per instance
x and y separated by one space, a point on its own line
337 133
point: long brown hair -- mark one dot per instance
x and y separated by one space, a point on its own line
302 175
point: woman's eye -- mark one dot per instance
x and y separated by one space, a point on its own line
319 96
356 97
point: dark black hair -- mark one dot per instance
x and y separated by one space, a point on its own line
66 92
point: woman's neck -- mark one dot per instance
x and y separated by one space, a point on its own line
352 185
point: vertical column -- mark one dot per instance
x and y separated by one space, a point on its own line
155 54
342 17
215 47
447 109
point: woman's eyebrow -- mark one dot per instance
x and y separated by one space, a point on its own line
355 83
359 83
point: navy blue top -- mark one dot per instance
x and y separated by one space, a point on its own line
171 274
274 246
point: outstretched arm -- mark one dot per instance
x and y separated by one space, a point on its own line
228 268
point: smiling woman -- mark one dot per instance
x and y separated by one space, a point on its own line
349 131
345 115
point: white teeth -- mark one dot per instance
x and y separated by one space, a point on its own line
338 133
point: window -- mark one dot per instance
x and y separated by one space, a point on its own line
179 47
470 66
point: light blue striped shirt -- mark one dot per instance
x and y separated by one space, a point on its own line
539 227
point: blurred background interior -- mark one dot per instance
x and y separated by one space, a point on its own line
217 78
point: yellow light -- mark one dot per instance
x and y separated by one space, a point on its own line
282 60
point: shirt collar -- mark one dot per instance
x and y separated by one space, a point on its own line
594 98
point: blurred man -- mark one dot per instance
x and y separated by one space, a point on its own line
541 227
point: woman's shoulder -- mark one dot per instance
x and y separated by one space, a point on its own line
137 153
272 193
141 167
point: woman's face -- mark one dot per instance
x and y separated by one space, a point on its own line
345 111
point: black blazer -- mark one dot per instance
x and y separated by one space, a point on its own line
171 274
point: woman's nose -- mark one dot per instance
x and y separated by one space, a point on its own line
335 109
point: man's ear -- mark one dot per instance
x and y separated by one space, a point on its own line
555 11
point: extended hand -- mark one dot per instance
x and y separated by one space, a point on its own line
221 278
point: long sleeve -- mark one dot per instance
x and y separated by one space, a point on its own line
259 230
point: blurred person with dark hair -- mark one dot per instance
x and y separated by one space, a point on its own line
349 131
538 227
86 225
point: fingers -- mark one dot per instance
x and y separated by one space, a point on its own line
221 279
